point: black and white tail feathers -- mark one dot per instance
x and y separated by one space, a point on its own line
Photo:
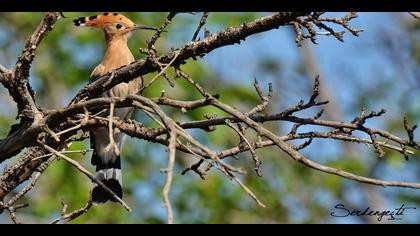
108 171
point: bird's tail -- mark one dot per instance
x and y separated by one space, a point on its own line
108 171
110 175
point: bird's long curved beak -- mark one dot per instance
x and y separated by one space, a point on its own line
143 27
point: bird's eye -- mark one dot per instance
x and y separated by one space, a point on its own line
118 26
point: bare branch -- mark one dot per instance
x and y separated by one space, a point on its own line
12 211
289 150
249 192
229 36
46 132
410 133
3 72
151 42
184 105
308 22
415 15
169 176
87 173
112 146
65 218
16 81
161 72
257 161
196 168
200 25
26 189
265 99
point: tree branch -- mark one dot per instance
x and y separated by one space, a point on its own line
169 175
226 37
16 81
87 173
46 131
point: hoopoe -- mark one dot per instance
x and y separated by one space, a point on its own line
117 29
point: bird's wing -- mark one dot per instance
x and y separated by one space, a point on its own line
98 71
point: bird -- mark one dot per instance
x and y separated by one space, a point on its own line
107 159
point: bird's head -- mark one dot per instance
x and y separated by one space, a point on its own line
113 24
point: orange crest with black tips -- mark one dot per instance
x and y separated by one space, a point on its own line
100 21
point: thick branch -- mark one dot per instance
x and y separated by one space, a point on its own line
56 127
226 37
16 81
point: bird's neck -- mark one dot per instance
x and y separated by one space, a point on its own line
117 53
112 39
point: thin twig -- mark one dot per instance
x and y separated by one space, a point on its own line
72 215
50 132
76 127
12 211
26 189
257 161
169 122
249 192
200 25
112 146
83 152
151 42
169 176
87 173
289 149
160 73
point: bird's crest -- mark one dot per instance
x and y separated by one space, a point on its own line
99 21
